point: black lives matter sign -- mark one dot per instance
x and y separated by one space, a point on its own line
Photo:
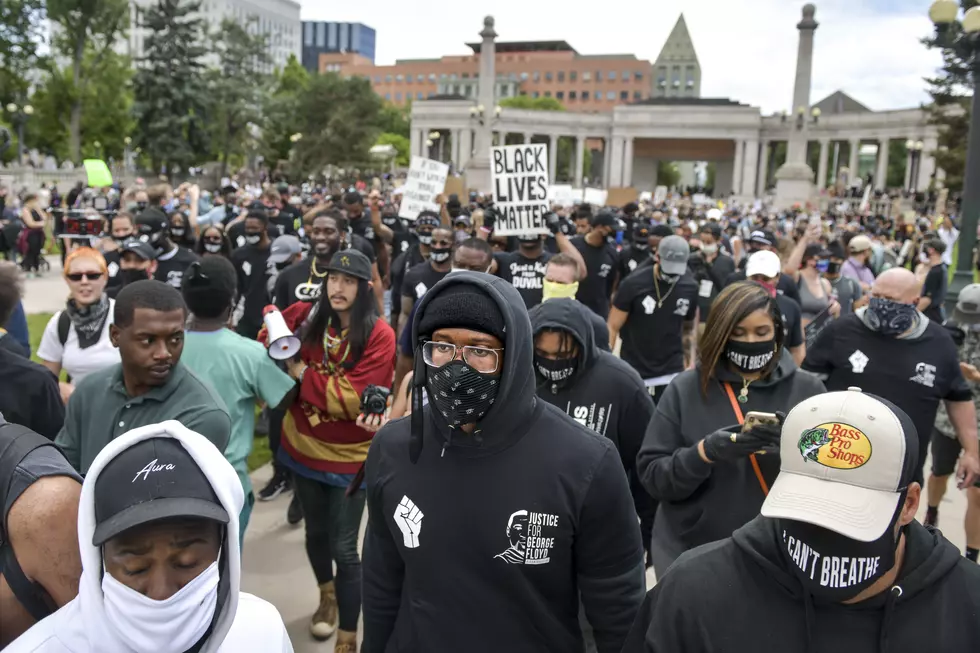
520 188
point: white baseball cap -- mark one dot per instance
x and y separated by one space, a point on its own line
765 263
845 460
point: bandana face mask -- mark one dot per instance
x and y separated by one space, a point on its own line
555 290
889 317
460 393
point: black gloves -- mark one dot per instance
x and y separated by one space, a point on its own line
489 218
731 444
553 222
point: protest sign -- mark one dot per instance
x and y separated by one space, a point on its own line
426 179
456 186
520 188
565 195
596 197
646 196
98 173
621 196
813 329
699 199
660 195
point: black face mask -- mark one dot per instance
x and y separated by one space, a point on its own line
750 357
141 205
129 276
834 568
122 239
252 239
461 394
557 371
440 254
425 238
833 268
177 232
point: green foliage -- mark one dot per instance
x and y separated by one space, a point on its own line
400 143
85 26
293 78
340 121
710 173
898 156
21 34
234 88
280 112
171 96
532 103
667 174
396 119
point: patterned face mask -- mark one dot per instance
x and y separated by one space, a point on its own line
889 317
461 394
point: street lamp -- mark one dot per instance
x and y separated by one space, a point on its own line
20 114
801 116
478 113
964 40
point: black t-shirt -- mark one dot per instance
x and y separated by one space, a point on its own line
296 283
403 263
785 286
171 267
287 221
402 239
630 258
419 280
934 288
252 267
29 394
913 373
236 234
113 260
652 338
525 274
711 278
363 246
594 290
792 320
362 226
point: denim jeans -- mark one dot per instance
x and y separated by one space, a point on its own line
332 524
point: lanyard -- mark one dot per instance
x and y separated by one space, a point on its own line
741 420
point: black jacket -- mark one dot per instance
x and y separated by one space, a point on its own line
605 394
701 502
738 595
473 580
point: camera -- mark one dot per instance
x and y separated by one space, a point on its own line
374 401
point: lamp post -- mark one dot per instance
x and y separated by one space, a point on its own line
434 144
963 37
20 114
915 159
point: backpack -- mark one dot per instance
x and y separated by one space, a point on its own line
16 442
64 325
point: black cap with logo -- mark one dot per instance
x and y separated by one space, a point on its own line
152 480
352 262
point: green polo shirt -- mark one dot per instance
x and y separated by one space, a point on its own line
100 410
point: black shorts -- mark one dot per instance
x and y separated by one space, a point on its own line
945 453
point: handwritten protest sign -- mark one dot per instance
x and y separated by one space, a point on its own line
426 179
520 188
565 195
596 197
814 328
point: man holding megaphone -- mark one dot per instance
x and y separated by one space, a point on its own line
344 348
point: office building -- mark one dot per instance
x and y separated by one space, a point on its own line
323 37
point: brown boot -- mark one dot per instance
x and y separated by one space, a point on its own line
324 622
346 642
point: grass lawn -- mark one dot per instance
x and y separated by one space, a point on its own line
260 449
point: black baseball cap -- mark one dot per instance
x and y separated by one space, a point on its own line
352 262
152 220
152 480
138 247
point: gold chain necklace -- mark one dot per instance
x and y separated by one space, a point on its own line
656 287
314 273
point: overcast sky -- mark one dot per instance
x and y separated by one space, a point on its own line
747 48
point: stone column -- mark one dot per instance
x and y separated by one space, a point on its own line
553 158
478 174
908 170
795 178
881 172
628 163
737 166
750 158
822 166
579 160
457 135
927 163
616 165
762 181
852 159
527 137
465 148
416 142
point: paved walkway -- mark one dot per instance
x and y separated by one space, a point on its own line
47 293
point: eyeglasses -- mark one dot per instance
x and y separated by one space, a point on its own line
481 359
88 276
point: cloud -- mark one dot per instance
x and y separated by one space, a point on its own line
747 48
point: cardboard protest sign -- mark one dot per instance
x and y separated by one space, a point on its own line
426 179
456 186
520 188
621 196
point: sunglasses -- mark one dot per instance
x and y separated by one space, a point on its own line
88 276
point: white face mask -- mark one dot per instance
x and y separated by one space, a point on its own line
169 626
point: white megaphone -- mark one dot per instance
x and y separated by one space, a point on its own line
283 343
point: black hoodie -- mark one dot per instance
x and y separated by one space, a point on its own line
515 521
737 595
605 394
702 502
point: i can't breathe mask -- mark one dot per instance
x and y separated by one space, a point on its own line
460 393
170 626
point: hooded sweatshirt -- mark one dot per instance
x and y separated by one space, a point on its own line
242 622
739 595
604 393
702 502
487 542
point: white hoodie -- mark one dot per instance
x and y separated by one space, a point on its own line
246 622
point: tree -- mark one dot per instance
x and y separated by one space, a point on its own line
234 87
169 89
21 35
951 91
85 25
400 143
106 108
280 111
396 119
340 120
532 103
667 174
